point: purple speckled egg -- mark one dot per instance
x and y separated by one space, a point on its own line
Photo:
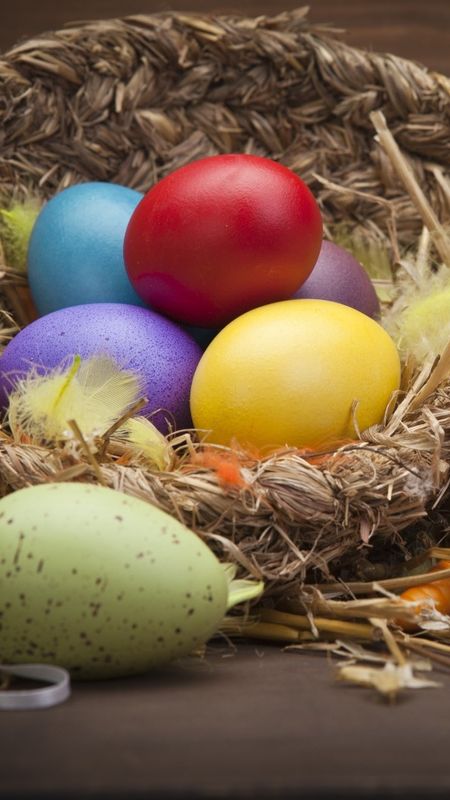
338 276
158 350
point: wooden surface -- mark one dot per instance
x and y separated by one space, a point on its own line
417 29
256 725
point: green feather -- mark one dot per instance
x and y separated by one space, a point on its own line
420 320
240 590
16 224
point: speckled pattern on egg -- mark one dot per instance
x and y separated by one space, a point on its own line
101 583
139 339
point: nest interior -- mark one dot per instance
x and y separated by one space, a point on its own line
130 100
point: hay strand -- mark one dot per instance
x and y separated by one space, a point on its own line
411 185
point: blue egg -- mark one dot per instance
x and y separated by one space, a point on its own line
75 255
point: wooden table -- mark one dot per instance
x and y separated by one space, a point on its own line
258 722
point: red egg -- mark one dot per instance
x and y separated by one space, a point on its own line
221 236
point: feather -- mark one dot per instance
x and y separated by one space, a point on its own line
94 392
225 463
240 590
146 443
419 321
16 224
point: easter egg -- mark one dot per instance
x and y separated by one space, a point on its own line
75 253
220 236
289 373
101 583
156 349
338 276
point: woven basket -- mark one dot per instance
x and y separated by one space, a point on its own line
130 100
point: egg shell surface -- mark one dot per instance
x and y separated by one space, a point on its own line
339 277
102 583
288 374
75 253
221 235
156 349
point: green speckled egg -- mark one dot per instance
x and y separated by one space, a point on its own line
102 583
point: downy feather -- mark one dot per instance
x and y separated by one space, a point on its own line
419 321
95 392
146 443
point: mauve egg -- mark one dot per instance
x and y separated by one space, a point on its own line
138 339
75 253
338 276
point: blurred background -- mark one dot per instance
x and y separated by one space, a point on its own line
416 29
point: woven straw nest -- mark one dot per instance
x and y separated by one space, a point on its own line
130 100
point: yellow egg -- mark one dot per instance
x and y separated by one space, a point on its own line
289 373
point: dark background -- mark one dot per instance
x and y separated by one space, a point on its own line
417 29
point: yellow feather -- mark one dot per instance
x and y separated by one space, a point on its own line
94 392
147 443
16 224
420 320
